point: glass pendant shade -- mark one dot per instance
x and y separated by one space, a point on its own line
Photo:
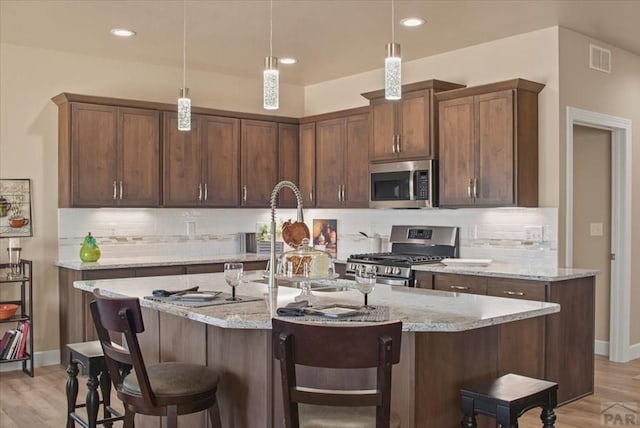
184 110
393 72
271 83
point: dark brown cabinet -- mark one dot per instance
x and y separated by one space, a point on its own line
288 153
108 155
404 129
488 139
341 162
307 164
259 161
569 334
201 166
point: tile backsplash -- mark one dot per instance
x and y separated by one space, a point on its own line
517 235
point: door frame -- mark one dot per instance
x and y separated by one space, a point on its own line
620 128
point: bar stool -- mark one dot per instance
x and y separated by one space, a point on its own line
507 398
90 356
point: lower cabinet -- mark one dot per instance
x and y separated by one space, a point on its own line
570 334
76 324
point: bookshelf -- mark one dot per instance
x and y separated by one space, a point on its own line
24 312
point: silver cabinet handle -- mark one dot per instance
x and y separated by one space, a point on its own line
244 193
513 293
206 191
121 190
469 188
458 287
311 196
398 145
339 193
115 191
199 191
343 198
475 187
393 144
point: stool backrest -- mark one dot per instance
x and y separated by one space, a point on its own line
336 347
122 316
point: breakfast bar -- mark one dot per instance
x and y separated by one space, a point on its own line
449 339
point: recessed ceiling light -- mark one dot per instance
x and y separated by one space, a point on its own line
287 61
121 32
412 22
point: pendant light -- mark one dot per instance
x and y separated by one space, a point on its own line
184 102
393 65
270 75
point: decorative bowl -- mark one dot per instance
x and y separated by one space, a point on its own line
7 310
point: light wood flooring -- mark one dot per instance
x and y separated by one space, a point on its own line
40 402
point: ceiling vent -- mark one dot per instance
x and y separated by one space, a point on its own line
599 58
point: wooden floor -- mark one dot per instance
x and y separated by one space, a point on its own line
40 402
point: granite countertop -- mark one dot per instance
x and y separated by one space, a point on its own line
516 271
418 309
134 262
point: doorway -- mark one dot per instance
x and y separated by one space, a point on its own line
620 243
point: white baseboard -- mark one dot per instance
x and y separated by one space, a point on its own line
40 359
602 348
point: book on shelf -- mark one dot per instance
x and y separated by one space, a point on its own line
5 340
14 345
23 340
7 345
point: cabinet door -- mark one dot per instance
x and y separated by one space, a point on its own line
356 168
330 153
495 149
138 157
93 155
415 127
287 161
457 151
220 143
424 280
383 129
182 163
307 164
259 154
460 283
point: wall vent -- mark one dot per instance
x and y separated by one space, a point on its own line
599 58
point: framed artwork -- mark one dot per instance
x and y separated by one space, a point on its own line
325 235
15 208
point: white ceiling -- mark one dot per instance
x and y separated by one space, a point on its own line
330 38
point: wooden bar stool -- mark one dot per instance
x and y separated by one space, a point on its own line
507 398
90 356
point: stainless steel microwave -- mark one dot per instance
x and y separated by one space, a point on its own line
405 184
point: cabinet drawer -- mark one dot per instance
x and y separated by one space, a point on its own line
160 271
518 289
108 274
460 284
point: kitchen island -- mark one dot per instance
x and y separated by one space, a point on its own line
449 339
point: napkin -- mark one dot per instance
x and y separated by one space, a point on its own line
293 309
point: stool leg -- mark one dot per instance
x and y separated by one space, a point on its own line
548 417
129 418
469 421
72 391
214 415
93 401
105 389
468 408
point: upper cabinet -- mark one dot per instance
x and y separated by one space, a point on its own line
404 129
488 138
288 152
341 162
307 164
259 162
108 155
201 166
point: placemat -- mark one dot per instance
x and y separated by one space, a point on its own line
376 313
221 299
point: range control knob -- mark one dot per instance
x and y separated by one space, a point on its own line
387 269
396 270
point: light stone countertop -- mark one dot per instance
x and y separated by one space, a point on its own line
134 262
418 309
516 271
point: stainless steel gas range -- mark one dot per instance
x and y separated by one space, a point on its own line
410 246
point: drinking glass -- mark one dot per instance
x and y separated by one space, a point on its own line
233 276
366 280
